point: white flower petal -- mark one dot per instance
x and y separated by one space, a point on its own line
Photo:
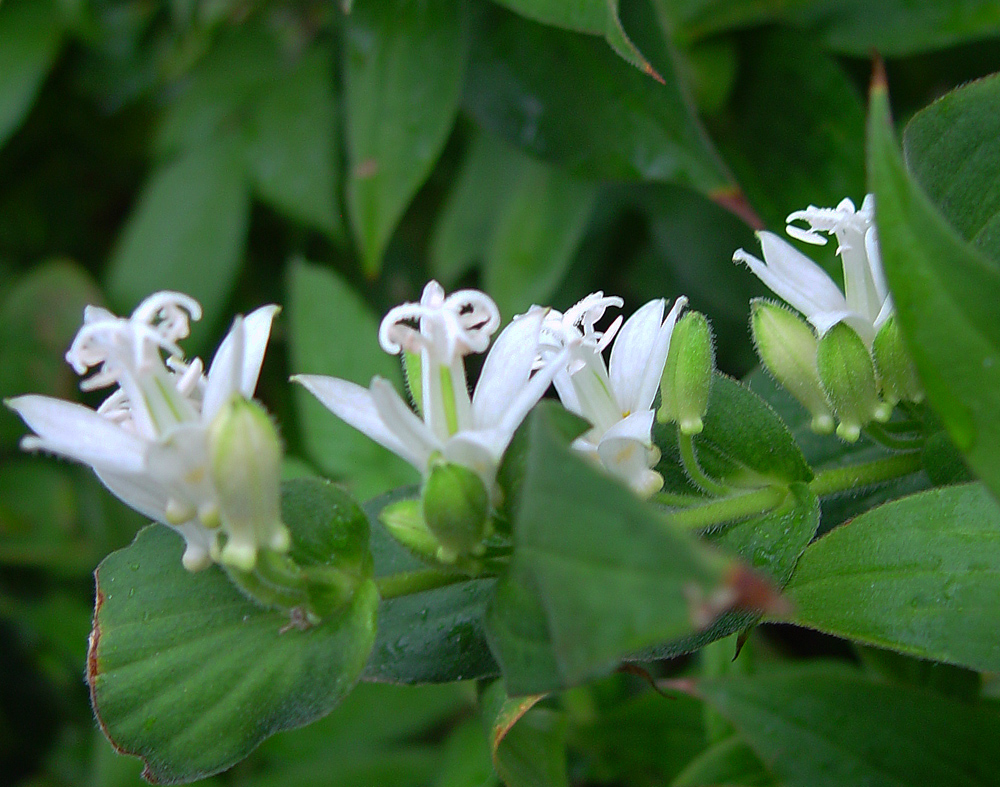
627 459
355 406
414 435
479 451
226 371
507 368
77 432
257 326
657 359
631 352
138 491
529 394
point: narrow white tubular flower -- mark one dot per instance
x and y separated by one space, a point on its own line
147 441
865 303
442 330
617 398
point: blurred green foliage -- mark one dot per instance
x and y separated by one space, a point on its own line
331 157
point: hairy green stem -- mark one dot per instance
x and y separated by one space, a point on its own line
693 469
410 582
829 482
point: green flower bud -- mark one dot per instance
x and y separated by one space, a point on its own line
848 377
245 462
787 346
456 509
405 522
687 374
895 369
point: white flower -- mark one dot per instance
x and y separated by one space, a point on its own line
473 432
616 398
807 287
148 441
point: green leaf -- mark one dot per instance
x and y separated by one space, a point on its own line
190 675
537 231
186 233
40 314
895 28
32 32
528 744
794 129
487 175
403 71
611 576
919 575
334 332
292 143
745 442
434 636
945 294
565 98
729 761
467 760
845 729
953 150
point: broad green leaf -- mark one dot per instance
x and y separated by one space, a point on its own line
919 575
292 143
467 760
565 98
691 20
953 150
793 131
31 32
611 575
958 682
334 332
822 725
403 69
398 766
186 233
946 293
489 171
190 675
528 744
744 441
537 231
896 28
40 314
644 740
730 761
430 637
598 17
218 94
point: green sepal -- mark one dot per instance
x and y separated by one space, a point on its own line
895 368
848 377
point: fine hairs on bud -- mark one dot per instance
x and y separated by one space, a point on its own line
848 377
687 375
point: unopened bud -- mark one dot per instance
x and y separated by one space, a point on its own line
456 508
787 347
848 377
405 522
895 369
687 374
245 460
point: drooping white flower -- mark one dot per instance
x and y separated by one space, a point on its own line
148 441
473 432
864 304
617 397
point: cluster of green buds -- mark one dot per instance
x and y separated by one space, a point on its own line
836 374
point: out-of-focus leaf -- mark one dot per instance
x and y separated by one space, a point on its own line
845 729
946 294
215 98
190 675
461 236
948 679
528 744
430 637
292 143
404 64
536 233
916 575
730 761
896 28
953 150
186 233
564 97
31 32
39 315
467 761
794 129
334 332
